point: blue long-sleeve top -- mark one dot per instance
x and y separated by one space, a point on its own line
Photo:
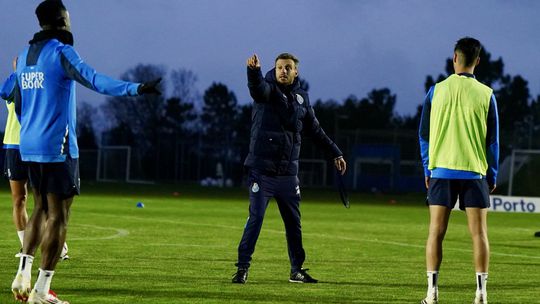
45 101
492 143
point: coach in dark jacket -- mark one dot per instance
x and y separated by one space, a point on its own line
281 114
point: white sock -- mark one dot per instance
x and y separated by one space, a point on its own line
64 250
43 283
433 287
481 281
21 236
25 265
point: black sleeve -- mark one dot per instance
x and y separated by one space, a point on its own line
259 89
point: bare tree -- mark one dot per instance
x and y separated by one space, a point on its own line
86 114
142 115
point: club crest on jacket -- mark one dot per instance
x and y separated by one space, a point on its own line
299 98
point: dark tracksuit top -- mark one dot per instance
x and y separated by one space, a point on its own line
280 116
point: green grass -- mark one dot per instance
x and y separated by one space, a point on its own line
182 249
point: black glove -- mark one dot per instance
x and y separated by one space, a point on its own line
149 87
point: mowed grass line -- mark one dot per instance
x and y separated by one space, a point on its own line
182 249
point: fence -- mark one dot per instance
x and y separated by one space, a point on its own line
176 159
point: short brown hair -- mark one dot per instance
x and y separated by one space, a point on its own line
288 56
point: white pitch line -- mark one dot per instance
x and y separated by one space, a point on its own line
184 245
415 246
119 233
377 241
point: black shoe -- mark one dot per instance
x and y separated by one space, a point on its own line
537 234
301 276
240 277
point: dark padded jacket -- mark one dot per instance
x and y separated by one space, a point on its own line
279 118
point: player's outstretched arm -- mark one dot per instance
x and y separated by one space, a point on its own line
75 68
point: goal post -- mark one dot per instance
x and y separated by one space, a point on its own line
312 172
113 163
524 165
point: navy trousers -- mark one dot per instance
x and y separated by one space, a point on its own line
286 191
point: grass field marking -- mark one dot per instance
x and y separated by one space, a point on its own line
377 241
416 246
167 221
119 233
186 245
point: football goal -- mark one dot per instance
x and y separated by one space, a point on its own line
312 172
113 164
523 169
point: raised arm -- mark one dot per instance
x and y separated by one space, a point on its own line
259 89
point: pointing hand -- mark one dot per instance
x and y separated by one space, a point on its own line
253 62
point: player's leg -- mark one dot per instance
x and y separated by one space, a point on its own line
19 197
441 198
260 192
477 221
16 171
476 199
36 224
288 200
56 230
61 183
53 240
438 223
33 235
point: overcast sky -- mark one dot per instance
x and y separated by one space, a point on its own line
345 47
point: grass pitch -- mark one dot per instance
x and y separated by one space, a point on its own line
182 248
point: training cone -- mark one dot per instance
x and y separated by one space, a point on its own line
140 205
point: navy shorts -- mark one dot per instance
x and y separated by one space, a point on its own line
58 178
14 168
472 193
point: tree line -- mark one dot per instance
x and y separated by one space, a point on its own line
216 119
